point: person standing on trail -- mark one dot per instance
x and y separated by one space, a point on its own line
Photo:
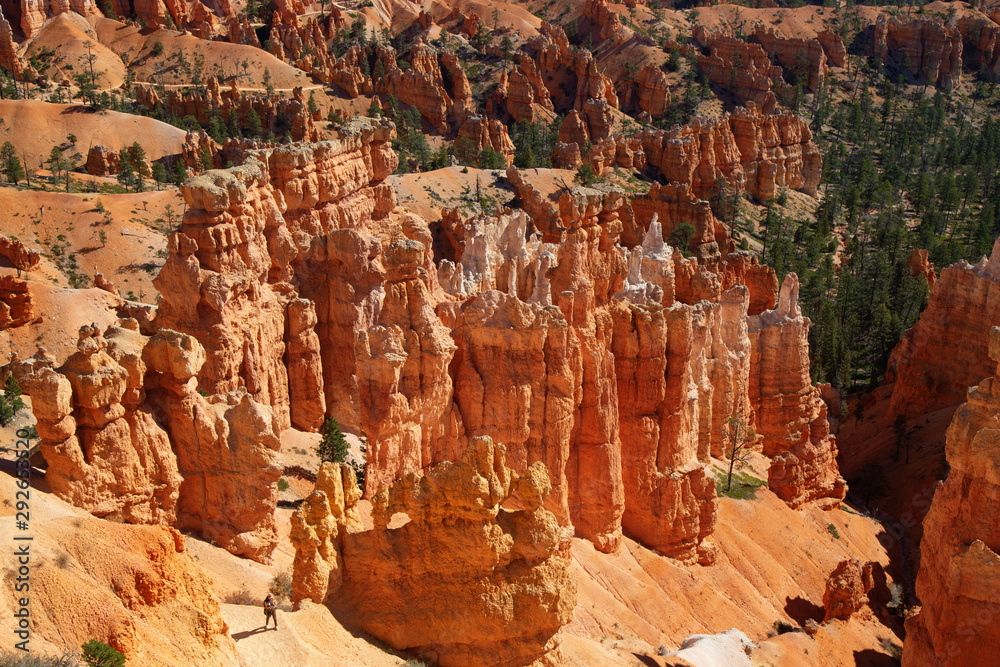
270 611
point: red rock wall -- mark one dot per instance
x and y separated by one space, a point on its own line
790 415
17 306
127 436
805 57
35 12
104 453
274 112
511 590
419 354
230 261
754 152
930 50
963 305
738 66
956 624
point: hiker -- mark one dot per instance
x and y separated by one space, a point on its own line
270 611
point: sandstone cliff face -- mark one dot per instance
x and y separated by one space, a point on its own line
35 12
964 304
422 85
9 59
127 437
753 151
491 586
17 306
957 583
302 43
249 242
653 92
102 161
606 23
319 529
666 413
22 257
487 132
557 76
275 112
805 58
305 366
517 372
980 50
742 68
742 268
929 50
104 449
418 354
791 416
226 448
403 382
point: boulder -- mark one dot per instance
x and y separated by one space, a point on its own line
847 590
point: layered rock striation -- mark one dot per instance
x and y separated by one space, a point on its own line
570 332
127 436
750 150
957 583
963 305
276 114
251 241
105 451
929 50
738 66
17 305
491 585
790 414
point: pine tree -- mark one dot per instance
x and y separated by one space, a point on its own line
126 173
10 402
333 447
268 83
180 172
254 127
159 173
10 163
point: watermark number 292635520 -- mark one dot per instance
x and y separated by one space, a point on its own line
22 542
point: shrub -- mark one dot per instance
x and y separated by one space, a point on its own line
98 654
333 447
281 586
157 48
833 531
242 597
359 469
21 659
282 484
744 485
